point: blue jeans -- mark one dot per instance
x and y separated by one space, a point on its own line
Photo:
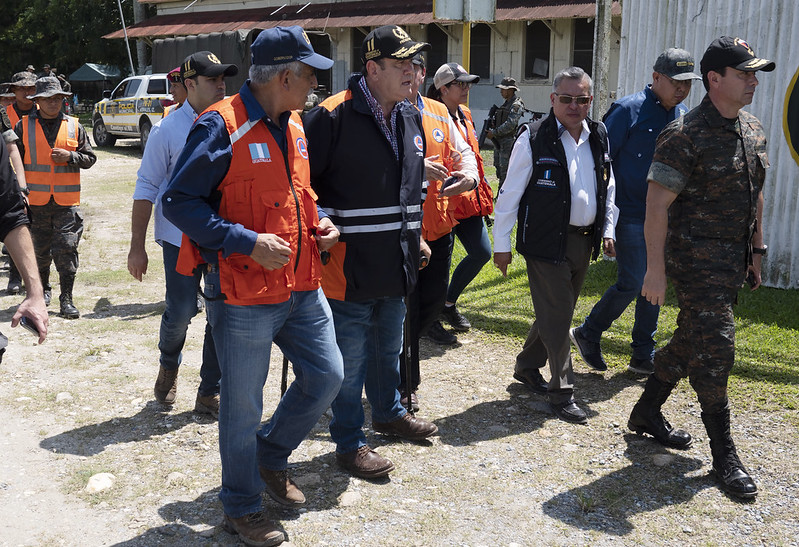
181 307
473 235
631 263
369 335
303 330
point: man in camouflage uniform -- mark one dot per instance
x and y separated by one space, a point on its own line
704 209
506 120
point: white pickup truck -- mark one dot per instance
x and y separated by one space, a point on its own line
131 109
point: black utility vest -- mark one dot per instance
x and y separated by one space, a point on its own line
543 218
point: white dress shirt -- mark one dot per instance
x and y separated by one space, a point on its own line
583 187
167 138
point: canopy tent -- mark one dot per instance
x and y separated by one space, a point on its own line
91 72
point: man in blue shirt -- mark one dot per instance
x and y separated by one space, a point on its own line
241 192
633 124
204 77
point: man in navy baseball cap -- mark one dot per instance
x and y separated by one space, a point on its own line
280 45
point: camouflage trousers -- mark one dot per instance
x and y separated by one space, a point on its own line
56 231
703 345
501 159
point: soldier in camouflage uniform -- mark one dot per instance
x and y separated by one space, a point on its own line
506 121
704 209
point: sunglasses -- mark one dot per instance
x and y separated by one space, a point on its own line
568 99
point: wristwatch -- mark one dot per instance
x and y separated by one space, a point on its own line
760 250
25 190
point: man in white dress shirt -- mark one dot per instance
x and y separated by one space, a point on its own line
561 189
204 78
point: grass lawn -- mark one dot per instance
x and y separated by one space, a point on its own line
766 372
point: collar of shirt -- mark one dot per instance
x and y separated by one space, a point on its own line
583 134
714 118
388 129
256 112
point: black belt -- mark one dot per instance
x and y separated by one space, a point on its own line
581 230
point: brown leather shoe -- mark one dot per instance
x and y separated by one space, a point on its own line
255 529
166 386
408 427
281 488
207 404
365 463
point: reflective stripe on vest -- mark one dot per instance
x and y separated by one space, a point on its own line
337 216
46 178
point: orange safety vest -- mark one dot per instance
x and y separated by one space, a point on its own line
45 177
258 193
12 115
437 220
479 201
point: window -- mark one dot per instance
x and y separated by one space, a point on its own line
438 54
321 45
583 44
357 38
156 86
480 51
536 52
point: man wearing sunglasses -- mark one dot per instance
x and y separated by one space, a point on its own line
561 189
633 124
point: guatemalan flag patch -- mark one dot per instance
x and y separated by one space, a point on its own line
259 152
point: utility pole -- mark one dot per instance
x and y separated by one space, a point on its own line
601 61
141 46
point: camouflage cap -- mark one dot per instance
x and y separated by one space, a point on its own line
22 79
47 87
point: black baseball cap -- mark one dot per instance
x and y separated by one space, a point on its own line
279 45
392 42
677 64
733 52
205 63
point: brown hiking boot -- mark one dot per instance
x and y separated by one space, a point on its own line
254 529
365 463
281 488
207 404
166 386
408 427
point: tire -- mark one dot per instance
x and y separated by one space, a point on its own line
144 131
101 135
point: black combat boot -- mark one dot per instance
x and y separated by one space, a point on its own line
732 475
14 279
68 309
647 418
48 290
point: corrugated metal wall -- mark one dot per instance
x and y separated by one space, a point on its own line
770 28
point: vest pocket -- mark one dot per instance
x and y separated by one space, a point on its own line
243 278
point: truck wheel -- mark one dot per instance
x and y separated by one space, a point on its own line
144 130
101 135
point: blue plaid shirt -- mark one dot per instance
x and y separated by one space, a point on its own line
388 129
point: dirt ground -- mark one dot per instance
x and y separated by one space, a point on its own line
503 471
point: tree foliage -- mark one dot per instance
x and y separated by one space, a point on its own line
61 33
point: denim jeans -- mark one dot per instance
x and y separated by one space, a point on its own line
473 235
181 307
631 263
369 334
302 328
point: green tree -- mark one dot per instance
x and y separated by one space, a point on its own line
62 33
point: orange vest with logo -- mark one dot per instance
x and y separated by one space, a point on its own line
267 193
45 177
479 201
437 220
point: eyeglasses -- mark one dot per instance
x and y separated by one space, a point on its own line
568 99
462 85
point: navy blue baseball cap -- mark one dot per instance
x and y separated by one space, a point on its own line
279 45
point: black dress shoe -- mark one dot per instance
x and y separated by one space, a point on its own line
641 366
591 352
532 379
569 412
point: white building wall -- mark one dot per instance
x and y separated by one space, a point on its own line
770 29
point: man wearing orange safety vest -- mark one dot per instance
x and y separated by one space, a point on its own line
447 155
241 193
54 149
